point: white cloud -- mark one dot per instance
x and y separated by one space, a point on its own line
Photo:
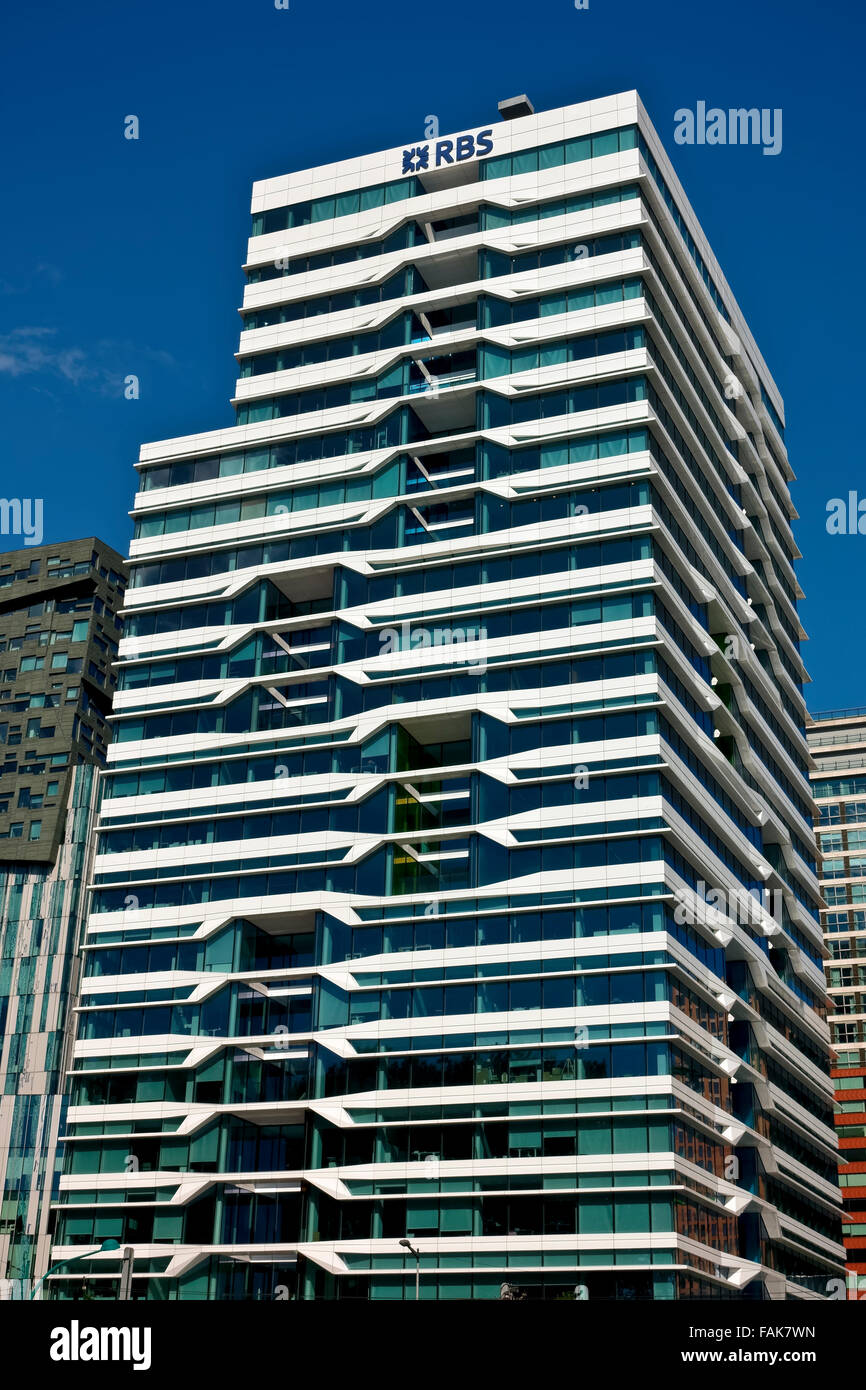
35 351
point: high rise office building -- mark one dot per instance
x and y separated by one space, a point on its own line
58 639
455 909
837 741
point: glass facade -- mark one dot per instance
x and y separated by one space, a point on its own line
455 880
41 921
837 742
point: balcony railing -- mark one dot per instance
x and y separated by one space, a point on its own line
856 712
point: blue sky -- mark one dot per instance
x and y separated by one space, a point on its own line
121 257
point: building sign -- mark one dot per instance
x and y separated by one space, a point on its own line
453 151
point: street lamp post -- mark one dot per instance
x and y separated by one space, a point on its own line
125 1292
417 1253
106 1245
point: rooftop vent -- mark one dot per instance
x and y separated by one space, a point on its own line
513 107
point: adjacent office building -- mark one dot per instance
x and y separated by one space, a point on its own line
58 639
455 905
837 741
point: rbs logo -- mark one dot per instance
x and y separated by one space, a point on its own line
447 152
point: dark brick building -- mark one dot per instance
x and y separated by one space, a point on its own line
58 638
